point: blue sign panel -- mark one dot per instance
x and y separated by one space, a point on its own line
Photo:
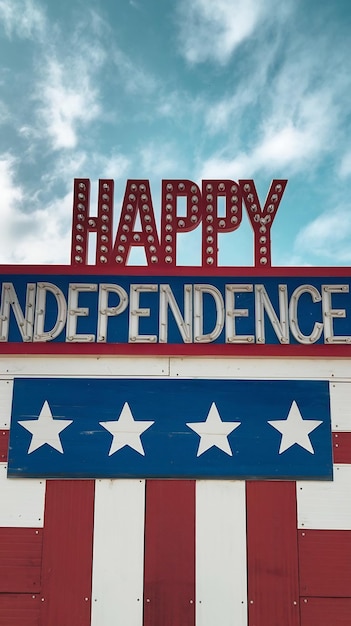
170 428
62 310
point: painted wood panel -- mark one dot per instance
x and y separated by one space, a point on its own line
325 611
83 366
221 579
265 368
67 553
20 560
342 447
325 563
4 445
20 609
325 505
6 386
169 580
220 367
340 404
272 562
22 501
117 588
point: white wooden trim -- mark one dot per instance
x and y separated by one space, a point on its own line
325 505
21 501
6 389
340 406
117 587
264 368
81 367
221 587
187 367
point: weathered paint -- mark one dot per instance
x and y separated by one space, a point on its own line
221 577
169 582
211 506
117 584
325 563
272 560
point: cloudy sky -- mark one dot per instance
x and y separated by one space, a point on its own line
176 89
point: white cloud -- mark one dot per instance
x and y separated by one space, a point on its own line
25 18
328 236
68 100
299 120
345 166
158 160
213 30
38 236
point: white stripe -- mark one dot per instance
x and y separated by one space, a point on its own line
260 368
82 367
340 406
21 501
117 586
216 367
6 388
221 587
325 505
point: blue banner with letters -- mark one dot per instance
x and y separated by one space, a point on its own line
170 428
175 310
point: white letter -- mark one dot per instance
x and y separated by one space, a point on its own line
329 313
184 324
75 311
24 323
262 304
198 313
48 335
294 324
232 313
136 312
106 311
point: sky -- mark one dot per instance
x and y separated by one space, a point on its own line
163 89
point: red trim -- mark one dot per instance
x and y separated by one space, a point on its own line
20 560
4 445
325 611
272 563
20 609
342 447
67 552
180 270
169 573
169 350
325 563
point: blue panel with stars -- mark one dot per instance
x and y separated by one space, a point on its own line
170 428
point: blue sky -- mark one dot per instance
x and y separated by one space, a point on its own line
176 89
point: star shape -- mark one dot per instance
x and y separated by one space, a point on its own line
295 430
126 431
45 430
213 432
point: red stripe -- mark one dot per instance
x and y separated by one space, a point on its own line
322 351
67 552
342 447
180 270
169 578
20 609
325 611
4 445
20 560
325 563
273 591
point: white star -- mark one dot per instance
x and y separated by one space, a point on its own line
126 431
295 430
213 432
45 429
